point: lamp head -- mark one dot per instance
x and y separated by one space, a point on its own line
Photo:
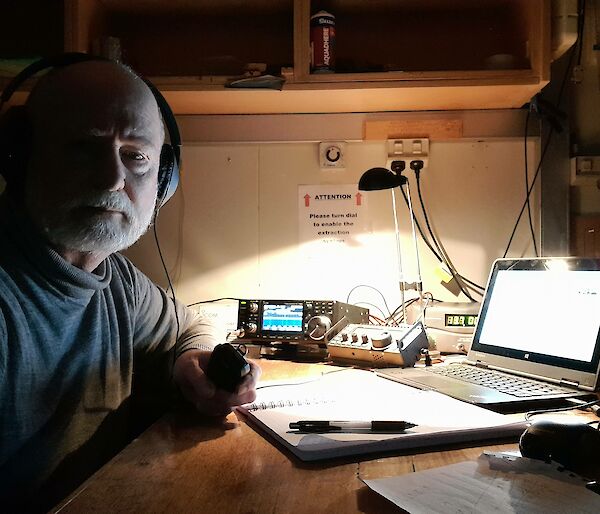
377 179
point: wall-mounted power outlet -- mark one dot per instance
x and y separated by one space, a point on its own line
407 150
331 154
585 170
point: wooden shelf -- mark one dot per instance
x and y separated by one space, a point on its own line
355 98
391 56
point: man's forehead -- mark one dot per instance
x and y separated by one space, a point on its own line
113 98
100 120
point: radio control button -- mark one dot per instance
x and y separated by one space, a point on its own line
382 340
355 338
253 307
344 336
318 327
365 339
252 328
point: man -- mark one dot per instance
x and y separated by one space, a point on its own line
81 329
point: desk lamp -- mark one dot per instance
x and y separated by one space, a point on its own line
377 179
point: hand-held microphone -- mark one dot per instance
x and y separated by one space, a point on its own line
227 367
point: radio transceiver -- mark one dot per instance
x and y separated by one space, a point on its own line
379 346
294 320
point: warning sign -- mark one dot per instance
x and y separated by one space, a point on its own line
331 215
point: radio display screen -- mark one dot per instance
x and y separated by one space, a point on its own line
461 320
283 317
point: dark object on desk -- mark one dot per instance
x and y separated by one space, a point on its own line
227 367
574 445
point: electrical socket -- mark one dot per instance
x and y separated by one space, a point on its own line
408 150
585 170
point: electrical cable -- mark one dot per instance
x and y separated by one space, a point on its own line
535 248
445 258
213 300
370 305
531 413
514 230
162 260
378 320
475 287
370 287
582 13
551 130
393 316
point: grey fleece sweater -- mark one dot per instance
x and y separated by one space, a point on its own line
76 350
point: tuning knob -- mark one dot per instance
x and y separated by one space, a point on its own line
252 328
253 307
318 327
381 340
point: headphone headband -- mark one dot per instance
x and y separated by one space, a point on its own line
170 156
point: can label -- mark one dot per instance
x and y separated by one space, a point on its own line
322 42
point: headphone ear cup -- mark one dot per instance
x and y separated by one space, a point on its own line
168 176
15 145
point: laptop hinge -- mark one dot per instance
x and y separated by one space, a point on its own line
570 383
481 364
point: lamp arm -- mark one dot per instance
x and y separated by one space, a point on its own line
419 284
401 281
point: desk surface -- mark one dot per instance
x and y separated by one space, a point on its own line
185 463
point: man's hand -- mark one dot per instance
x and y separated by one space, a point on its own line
189 375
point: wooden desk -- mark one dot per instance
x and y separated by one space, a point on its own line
184 463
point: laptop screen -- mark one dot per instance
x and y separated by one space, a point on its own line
543 310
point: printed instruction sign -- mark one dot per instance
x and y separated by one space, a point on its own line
331 216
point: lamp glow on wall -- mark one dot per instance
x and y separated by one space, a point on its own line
377 179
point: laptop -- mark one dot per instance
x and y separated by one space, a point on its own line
538 326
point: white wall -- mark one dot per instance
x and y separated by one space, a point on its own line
232 228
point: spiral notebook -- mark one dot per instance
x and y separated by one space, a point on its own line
359 395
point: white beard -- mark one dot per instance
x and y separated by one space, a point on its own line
95 233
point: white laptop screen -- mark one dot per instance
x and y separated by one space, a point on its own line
543 310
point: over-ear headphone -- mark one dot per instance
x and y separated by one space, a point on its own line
15 129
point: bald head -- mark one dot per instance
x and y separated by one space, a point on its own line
78 91
92 175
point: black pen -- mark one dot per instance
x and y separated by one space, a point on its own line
349 426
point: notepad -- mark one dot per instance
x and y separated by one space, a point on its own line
360 395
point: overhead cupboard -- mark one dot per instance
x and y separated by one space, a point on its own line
390 55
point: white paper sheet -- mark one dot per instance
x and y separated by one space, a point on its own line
494 484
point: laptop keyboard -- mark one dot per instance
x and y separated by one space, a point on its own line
503 382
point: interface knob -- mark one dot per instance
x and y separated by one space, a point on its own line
253 307
381 340
252 328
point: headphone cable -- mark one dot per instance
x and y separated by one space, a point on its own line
173 298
